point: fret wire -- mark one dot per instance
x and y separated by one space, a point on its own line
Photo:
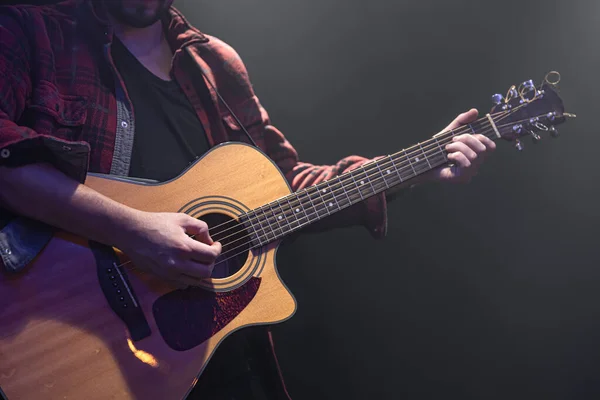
322 199
278 218
368 179
332 195
357 186
301 206
396 169
382 175
255 231
269 223
376 175
293 212
263 233
285 217
309 197
343 185
424 155
313 204
441 150
319 201
410 163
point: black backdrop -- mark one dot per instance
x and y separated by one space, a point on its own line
484 291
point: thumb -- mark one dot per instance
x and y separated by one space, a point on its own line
198 228
462 119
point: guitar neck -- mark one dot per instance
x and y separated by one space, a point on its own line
288 214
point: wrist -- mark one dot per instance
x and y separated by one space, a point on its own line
124 227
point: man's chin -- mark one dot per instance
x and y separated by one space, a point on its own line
137 15
137 22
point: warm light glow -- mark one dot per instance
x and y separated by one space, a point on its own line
143 356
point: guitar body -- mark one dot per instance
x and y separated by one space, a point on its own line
61 339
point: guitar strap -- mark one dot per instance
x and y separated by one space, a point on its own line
221 99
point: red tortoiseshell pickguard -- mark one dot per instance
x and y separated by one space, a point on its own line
188 317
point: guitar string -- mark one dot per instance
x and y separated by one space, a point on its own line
371 167
460 130
312 193
377 181
293 201
309 221
299 226
296 228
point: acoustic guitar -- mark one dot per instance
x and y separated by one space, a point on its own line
81 322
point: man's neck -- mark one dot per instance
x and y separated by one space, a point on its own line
148 45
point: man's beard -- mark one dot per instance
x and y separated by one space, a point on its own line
138 13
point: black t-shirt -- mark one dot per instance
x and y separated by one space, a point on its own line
168 133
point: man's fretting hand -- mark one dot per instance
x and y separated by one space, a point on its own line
160 243
466 152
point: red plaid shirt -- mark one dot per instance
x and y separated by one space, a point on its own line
62 100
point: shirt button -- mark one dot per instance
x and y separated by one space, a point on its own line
4 153
124 124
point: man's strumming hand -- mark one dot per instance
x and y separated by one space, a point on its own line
162 243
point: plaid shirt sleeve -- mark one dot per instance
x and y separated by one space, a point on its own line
20 145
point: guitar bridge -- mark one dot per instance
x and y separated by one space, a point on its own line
119 292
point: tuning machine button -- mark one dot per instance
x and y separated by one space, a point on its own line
497 99
518 145
553 132
528 85
535 137
518 129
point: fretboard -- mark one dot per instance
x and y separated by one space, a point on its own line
288 214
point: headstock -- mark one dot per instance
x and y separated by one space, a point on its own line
528 110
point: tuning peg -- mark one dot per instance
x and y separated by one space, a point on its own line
518 129
535 137
528 85
513 92
518 145
497 99
553 132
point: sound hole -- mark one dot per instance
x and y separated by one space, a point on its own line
235 241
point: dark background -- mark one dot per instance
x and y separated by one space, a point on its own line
481 291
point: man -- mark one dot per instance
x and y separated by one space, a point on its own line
128 87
